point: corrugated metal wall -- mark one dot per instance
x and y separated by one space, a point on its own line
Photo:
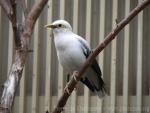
125 63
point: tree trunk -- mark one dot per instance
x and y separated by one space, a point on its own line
22 39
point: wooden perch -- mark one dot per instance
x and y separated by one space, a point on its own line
22 38
72 83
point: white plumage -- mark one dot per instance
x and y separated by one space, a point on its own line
72 51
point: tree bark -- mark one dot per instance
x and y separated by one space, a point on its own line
21 52
72 83
22 39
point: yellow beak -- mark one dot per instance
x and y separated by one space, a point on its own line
50 26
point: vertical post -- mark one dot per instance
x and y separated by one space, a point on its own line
139 61
88 35
10 47
113 61
101 56
22 96
75 29
0 48
48 87
60 69
35 85
126 61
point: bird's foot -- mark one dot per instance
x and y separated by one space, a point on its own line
75 77
68 77
66 89
75 73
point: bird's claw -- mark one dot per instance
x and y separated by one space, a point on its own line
75 76
66 89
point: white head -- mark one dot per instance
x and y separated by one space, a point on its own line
59 26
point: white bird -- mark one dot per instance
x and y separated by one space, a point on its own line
72 51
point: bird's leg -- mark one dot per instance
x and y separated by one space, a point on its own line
68 77
66 87
75 73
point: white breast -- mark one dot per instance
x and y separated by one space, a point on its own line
69 53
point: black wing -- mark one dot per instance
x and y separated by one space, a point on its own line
98 85
87 52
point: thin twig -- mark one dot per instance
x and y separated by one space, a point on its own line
72 83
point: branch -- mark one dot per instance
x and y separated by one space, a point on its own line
7 7
21 54
72 83
34 14
13 19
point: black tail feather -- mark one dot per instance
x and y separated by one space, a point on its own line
100 91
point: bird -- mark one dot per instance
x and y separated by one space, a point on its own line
72 51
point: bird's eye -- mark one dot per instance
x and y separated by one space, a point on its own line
59 25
